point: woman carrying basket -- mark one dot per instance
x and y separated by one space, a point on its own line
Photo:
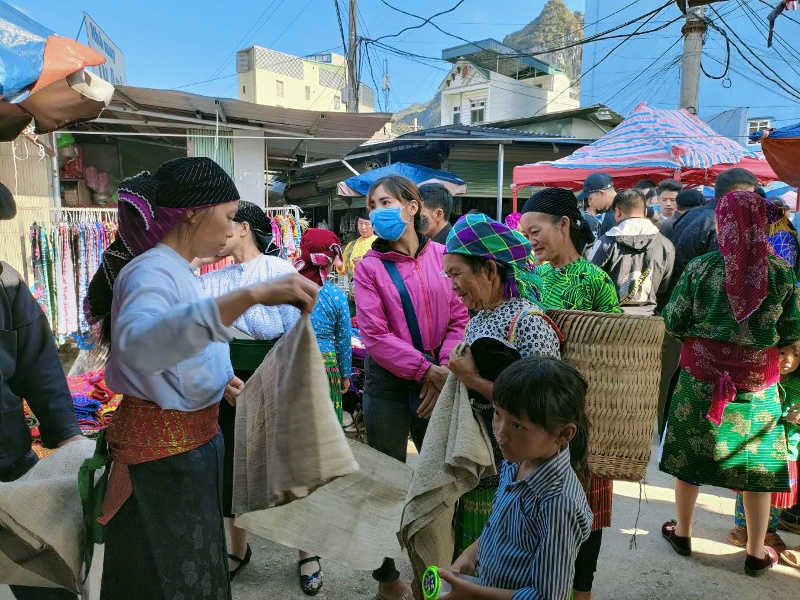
169 358
558 234
733 309
490 267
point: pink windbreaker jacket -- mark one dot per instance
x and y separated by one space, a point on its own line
441 314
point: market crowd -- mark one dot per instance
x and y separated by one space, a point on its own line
433 300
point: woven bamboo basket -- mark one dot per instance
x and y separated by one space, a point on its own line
620 358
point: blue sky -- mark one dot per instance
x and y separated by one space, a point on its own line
171 44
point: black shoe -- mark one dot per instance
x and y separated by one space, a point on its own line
310 584
242 561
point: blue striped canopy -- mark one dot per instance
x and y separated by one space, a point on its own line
653 137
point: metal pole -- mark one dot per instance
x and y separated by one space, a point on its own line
693 32
501 157
352 67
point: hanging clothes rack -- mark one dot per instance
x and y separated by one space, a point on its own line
289 209
286 230
65 247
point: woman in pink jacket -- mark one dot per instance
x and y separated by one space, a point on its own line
410 319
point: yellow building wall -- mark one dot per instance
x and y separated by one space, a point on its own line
28 178
261 87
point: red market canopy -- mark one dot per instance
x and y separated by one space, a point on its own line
650 144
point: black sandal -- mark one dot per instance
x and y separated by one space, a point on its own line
242 561
681 545
310 584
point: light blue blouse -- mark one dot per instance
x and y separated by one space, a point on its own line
260 322
168 344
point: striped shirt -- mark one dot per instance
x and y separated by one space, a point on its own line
531 541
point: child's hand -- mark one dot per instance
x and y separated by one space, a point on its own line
461 590
464 565
793 416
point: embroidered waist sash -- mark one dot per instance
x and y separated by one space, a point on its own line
142 432
729 367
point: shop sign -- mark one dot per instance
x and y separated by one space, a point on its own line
113 70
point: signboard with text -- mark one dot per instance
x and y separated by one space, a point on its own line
113 70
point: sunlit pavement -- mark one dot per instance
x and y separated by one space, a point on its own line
646 569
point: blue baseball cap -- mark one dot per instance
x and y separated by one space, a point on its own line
595 183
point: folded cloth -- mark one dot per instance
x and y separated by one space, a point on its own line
288 440
456 455
41 522
353 520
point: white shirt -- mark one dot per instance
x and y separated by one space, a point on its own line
168 344
260 322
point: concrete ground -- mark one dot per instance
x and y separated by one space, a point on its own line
627 571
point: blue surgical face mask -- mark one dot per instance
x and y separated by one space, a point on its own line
388 223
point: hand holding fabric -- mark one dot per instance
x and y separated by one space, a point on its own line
462 363
232 390
292 289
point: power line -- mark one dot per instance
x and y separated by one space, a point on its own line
341 27
752 16
795 92
423 19
222 65
598 63
512 55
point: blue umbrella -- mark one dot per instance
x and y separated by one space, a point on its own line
359 185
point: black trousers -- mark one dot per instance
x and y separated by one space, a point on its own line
586 563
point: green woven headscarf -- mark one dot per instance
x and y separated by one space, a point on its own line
479 235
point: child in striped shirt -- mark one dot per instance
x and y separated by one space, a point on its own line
540 516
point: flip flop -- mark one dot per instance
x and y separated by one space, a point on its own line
792 557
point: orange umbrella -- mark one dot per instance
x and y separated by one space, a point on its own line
48 86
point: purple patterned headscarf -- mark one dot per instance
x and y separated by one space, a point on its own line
149 207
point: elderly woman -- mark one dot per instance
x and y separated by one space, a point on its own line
490 267
558 234
733 309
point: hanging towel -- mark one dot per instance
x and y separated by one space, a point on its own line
41 522
456 455
293 465
288 439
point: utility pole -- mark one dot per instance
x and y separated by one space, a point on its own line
693 31
352 66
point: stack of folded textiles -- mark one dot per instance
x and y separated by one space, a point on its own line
94 404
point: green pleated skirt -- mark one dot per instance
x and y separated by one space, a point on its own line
747 452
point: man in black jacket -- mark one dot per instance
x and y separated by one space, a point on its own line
635 255
29 369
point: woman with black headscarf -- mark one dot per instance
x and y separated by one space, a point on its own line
255 260
558 234
169 358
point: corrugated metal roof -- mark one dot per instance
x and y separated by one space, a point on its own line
494 56
315 134
609 117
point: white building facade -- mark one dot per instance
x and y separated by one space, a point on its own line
491 82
